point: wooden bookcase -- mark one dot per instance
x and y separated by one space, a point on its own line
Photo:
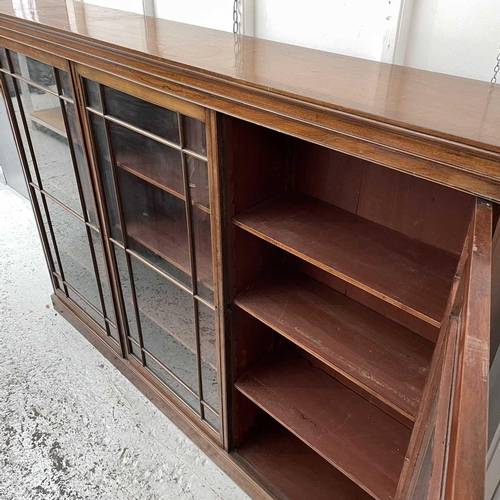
296 273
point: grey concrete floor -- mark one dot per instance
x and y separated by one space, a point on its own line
71 425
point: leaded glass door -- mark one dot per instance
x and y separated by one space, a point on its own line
154 172
40 100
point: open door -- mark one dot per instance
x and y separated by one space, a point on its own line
446 458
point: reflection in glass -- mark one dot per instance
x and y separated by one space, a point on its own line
198 180
3 59
212 419
206 318
53 256
19 120
81 163
86 308
33 70
150 159
155 219
203 252
126 290
48 136
170 382
65 84
194 135
167 322
105 285
76 259
92 94
142 114
101 147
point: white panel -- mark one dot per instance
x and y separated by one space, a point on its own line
353 27
458 37
216 14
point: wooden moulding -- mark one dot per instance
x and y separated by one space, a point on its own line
359 439
382 357
404 272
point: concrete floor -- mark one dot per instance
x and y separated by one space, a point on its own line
71 426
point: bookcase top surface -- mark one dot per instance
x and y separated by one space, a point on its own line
459 109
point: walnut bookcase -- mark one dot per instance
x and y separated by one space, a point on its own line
298 274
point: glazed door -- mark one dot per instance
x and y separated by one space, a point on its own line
40 102
153 164
446 458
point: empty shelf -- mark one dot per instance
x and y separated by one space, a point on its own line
405 272
384 358
294 469
152 237
358 438
50 118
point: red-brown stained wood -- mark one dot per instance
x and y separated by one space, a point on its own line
358 438
384 358
294 469
465 479
423 210
407 273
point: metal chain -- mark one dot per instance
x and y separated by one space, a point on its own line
236 18
496 69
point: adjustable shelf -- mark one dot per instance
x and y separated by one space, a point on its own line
382 357
359 439
405 272
281 458
50 118
152 237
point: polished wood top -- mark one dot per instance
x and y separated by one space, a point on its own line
460 109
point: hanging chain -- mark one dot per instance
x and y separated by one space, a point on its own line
496 69
236 18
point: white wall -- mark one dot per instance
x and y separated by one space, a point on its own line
352 27
459 37
216 14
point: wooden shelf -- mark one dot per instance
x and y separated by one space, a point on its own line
50 118
151 236
382 357
173 188
409 274
358 438
296 471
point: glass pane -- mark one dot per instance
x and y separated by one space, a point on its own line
206 318
186 396
160 263
150 159
155 219
81 163
198 181
99 137
87 309
142 114
126 289
65 84
92 94
73 244
33 70
212 419
203 251
48 136
103 276
3 59
114 333
167 322
38 196
19 120
194 135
